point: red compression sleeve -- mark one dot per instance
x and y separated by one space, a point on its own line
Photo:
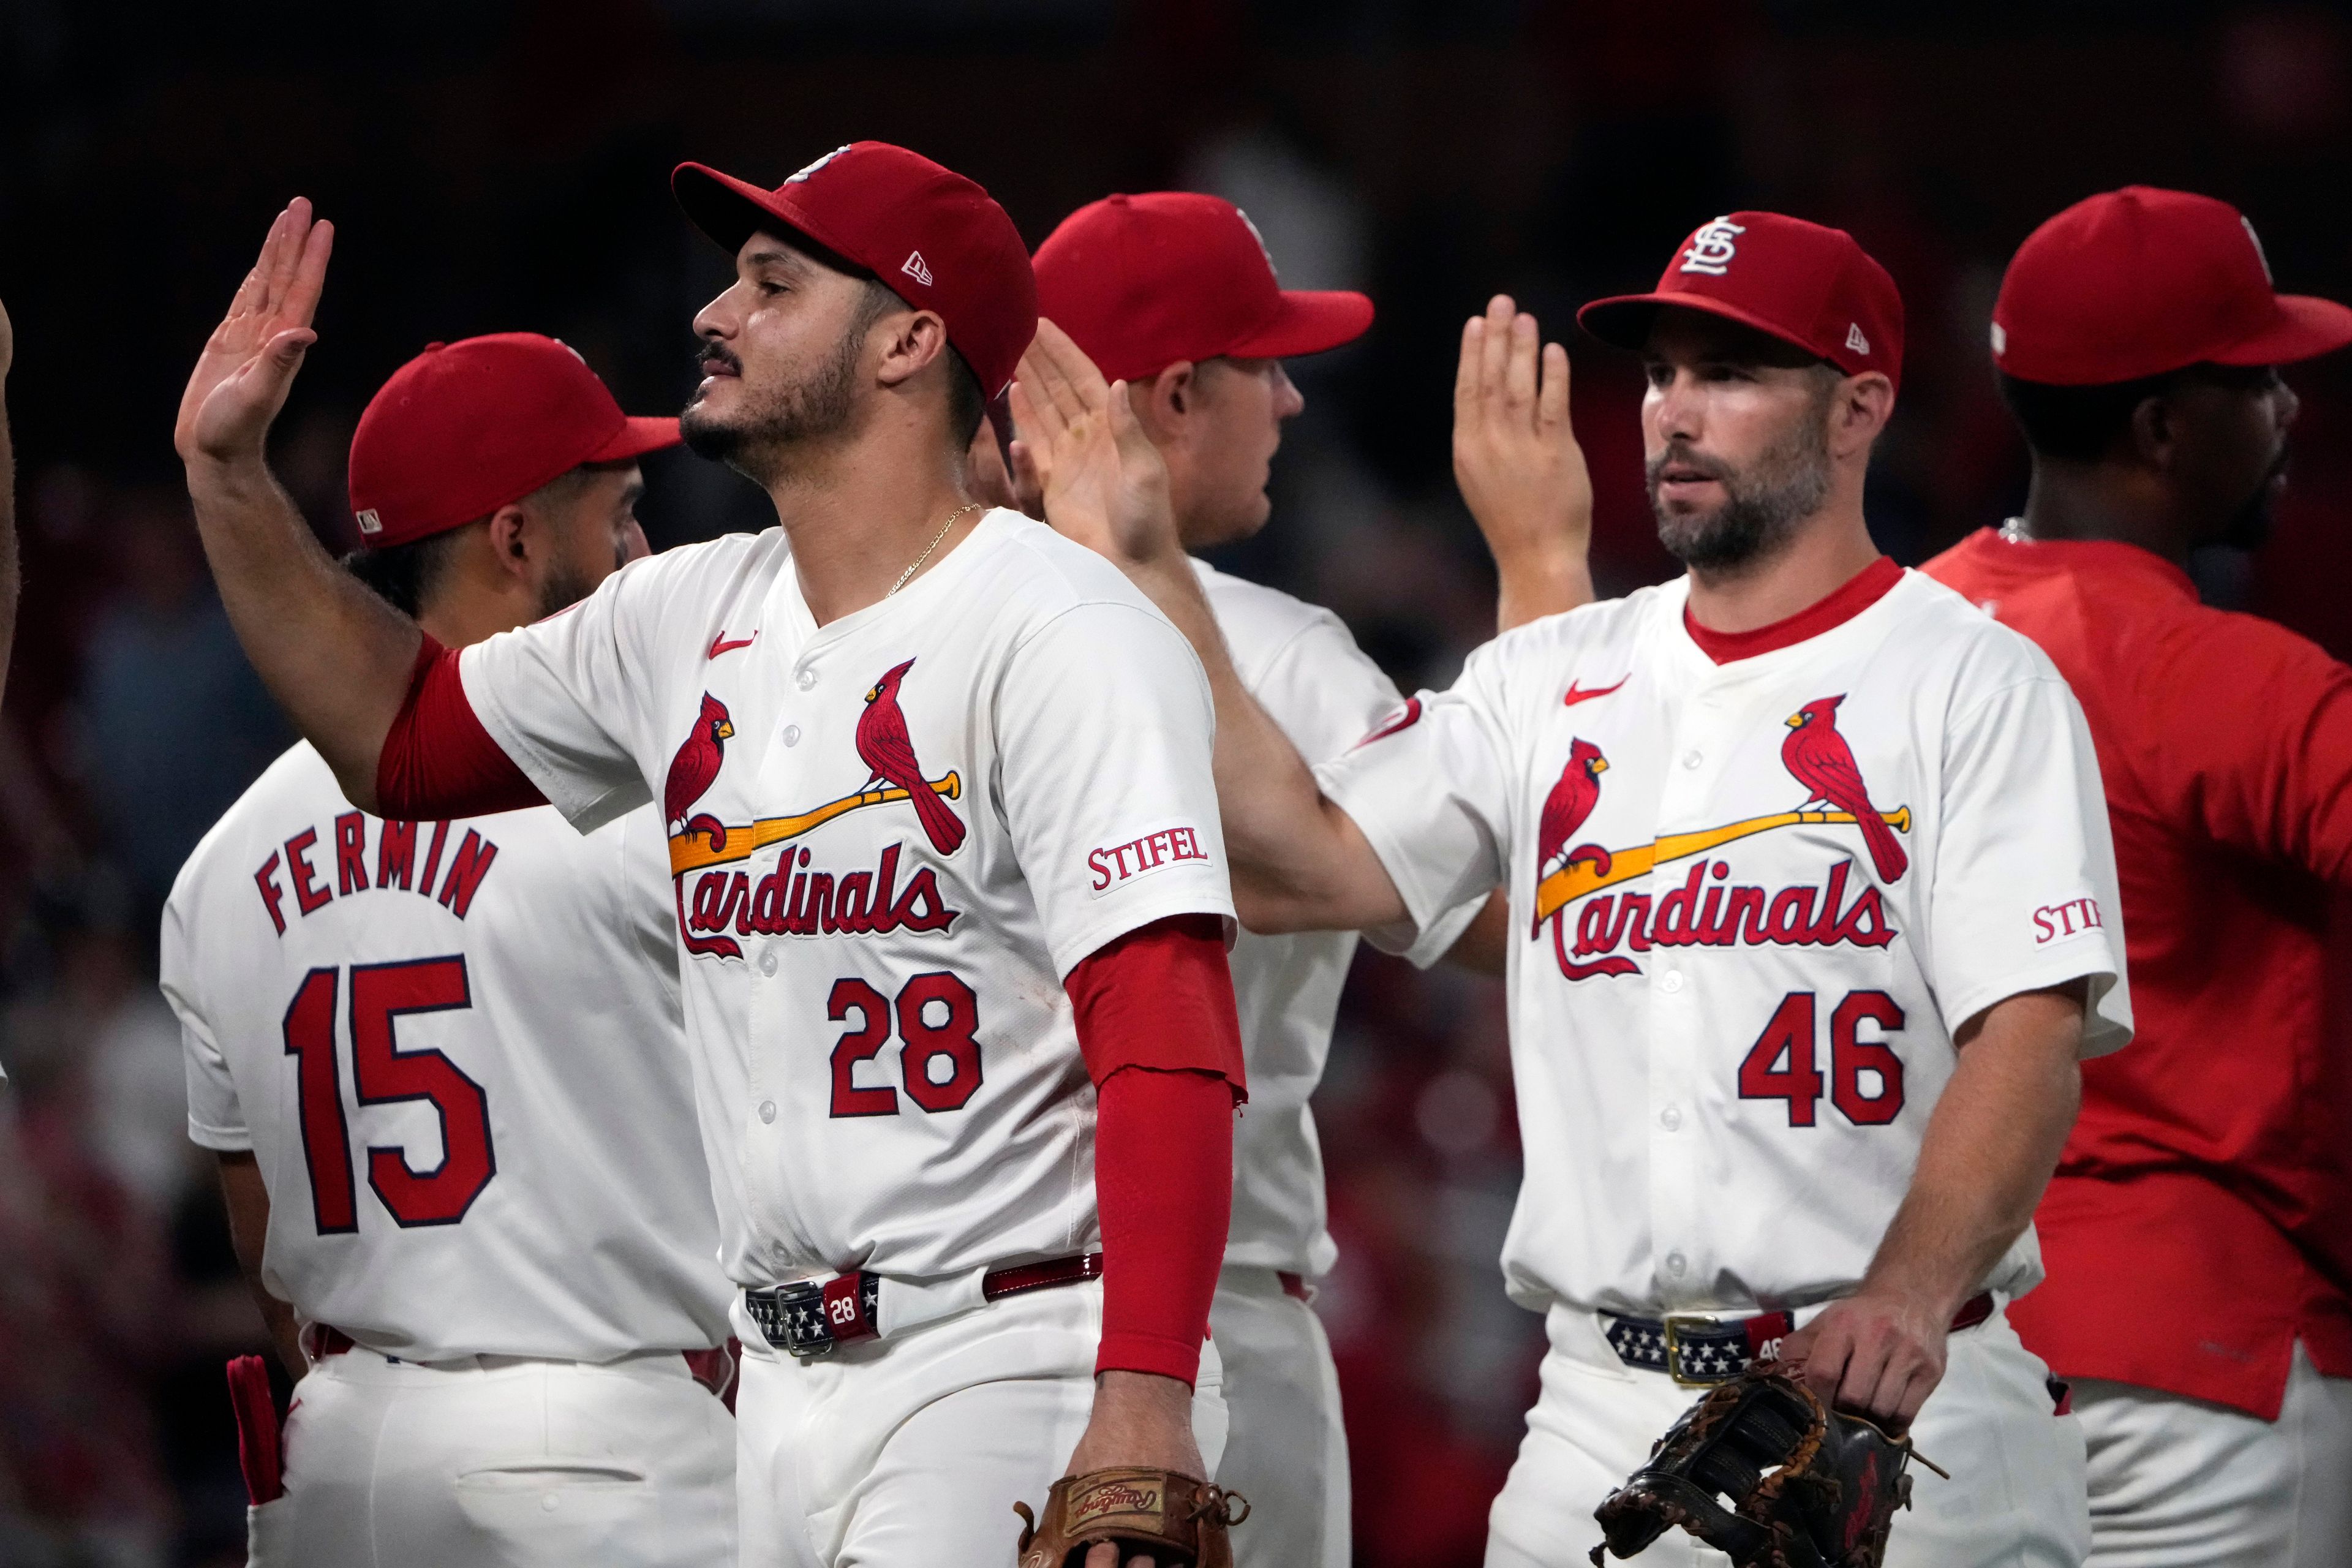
438 760
1156 1024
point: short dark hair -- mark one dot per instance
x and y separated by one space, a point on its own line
967 405
2077 423
2083 424
403 575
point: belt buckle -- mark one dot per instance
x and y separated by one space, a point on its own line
1676 1325
794 1322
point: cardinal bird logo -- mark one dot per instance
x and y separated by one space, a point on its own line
693 769
882 746
1819 758
1572 800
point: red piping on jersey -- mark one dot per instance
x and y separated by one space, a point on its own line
1861 591
438 760
1162 1041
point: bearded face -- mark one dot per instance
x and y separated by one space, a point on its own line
782 356
1756 505
786 405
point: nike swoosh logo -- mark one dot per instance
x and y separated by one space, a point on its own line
720 644
1589 693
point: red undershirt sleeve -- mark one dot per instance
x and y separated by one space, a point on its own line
1162 1043
438 760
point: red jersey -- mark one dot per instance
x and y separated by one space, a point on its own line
2200 1221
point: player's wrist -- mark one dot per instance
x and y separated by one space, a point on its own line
1138 1419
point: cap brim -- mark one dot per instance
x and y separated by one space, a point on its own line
638 435
1623 321
2305 328
731 211
1309 321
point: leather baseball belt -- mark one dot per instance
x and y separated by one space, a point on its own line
810 1319
1699 1352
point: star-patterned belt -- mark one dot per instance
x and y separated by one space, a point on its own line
1700 1351
811 1318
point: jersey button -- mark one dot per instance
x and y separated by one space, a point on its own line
768 962
791 735
1693 759
768 1114
1671 1118
1671 981
807 679
1675 1264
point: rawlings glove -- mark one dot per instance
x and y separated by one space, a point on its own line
1809 1487
1176 1521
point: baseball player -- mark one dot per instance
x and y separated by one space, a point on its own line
943 848
2199 1296
442 1064
1812 910
1174 293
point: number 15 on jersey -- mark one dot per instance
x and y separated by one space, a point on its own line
382 1074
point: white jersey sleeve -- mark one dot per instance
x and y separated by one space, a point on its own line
1430 788
216 1120
2024 894
1102 808
569 697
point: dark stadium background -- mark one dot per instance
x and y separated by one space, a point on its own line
493 165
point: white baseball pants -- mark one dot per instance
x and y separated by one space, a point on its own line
2015 1499
910 1451
1288 1452
501 1462
2177 1482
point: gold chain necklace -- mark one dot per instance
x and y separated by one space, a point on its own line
934 544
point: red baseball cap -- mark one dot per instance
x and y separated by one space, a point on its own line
2139 282
1799 282
933 237
464 429
1140 282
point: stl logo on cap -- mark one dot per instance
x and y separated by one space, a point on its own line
1711 248
803 176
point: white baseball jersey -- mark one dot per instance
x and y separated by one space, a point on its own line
1303 668
455 1050
874 983
1731 1003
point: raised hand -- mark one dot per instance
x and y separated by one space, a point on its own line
248 364
1103 481
1516 459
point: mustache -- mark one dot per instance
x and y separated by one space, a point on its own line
1678 455
711 349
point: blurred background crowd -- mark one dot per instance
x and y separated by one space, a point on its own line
502 164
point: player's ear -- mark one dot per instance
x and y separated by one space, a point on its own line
1161 402
2155 432
1860 411
914 340
515 536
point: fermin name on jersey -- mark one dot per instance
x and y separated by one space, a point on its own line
291 869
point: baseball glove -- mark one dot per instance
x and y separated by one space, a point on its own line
1175 1521
1809 1487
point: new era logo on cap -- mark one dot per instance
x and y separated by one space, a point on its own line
368 521
916 268
1711 248
1855 340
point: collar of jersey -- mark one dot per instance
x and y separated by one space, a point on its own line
2084 557
1861 591
945 568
